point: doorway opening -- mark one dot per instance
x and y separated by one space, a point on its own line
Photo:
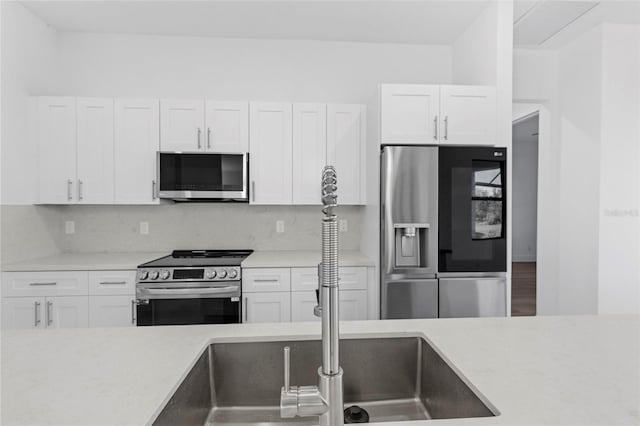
524 212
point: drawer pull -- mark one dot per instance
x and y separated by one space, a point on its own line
38 284
113 282
266 280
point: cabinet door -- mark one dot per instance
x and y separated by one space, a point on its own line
67 312
353 305
309 151
409 113
22 312
57 150
468 115
95 150
346 150
182 125
267 307
302 304
112 311
270 153
227 126
137 141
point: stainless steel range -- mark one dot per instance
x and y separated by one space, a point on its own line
191 287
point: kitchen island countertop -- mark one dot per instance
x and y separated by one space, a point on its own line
535 371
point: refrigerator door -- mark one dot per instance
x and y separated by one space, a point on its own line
472 297
409 212
472 209
410 299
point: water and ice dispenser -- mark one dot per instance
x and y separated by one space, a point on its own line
411 245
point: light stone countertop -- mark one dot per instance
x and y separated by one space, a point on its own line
302 259
535 371
129 261
84 262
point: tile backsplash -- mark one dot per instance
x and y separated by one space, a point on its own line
34 231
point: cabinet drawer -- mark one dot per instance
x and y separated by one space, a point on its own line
353 305
351 278
52 283
266 279
102 283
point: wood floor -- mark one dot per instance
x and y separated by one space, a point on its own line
523 289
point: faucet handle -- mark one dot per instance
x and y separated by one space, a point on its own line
287 367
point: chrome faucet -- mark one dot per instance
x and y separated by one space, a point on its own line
326 399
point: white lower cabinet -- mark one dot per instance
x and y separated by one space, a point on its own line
45 312
22 312
267 307
112 311
353 305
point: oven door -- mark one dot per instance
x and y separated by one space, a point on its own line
203 175
192 303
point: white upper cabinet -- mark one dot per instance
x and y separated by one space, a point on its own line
137 140
309 151
227 126
409 113
57 150
182 125
426 114
95 150
346 126
270 151
468 115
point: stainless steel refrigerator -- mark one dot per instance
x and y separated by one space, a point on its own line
443 232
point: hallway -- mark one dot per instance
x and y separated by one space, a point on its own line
523 289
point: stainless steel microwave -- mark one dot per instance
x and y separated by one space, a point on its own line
203 176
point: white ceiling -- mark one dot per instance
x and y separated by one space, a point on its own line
390 21
552 23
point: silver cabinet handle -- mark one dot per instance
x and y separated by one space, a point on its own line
153 189
69 189
113 282
133 312
265 280
435 128
246 309
446 127
49 316
39 284
79 189
36 309
253 190
199 134
208 137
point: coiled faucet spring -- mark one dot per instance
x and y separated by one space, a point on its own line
329 188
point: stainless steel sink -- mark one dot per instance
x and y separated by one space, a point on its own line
394 379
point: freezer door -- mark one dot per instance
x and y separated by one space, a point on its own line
472 297
410 299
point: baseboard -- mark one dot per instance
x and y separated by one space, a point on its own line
526 258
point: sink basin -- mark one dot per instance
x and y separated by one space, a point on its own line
394 379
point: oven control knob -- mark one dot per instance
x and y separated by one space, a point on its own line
165 275
154 275
211 274
144 275
222 273
233 273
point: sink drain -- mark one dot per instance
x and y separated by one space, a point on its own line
355 414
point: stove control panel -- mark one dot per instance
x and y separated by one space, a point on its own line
146 275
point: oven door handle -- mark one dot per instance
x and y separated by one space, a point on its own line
229 291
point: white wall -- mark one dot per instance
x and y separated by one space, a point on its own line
525 190
534 74
580 77
28 61
279 70
619 220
